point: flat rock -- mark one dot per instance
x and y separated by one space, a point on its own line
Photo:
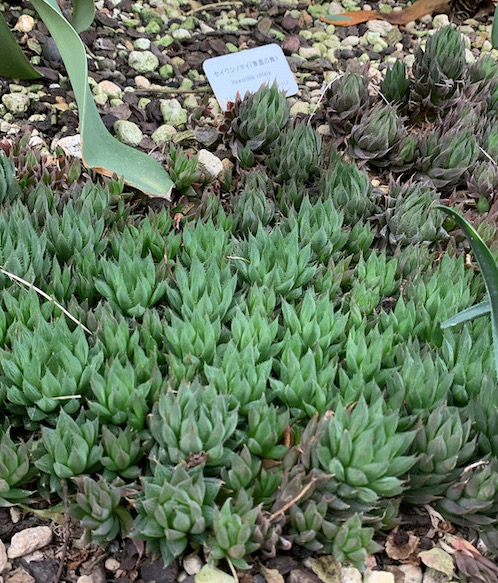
29 540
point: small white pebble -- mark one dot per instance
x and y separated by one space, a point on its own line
192 564
29 540
440 21
111 564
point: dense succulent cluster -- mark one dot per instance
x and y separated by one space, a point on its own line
284 346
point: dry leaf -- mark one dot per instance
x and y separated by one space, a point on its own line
271 575
401 546
327 569
439 560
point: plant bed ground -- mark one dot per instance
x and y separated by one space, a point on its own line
258 375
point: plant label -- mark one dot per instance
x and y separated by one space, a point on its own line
247 71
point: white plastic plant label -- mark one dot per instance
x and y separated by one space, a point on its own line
247 71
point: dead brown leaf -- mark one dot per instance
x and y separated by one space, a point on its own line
327 569
439 560
402 546
271 575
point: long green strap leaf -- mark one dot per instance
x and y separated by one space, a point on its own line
13 62
488 268
101 151
471 313
83 14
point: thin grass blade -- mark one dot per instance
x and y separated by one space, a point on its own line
488 268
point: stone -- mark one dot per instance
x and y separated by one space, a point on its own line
351 41
190 102
380 26
378 577
181 34
309 52
3 557
109 88
206 135
163 134
29 540
142 44
413 573
156 570
16 102
84 579
302 576
209 163
291 44
192 564
25 23
111 564
167 71
128 132
43 571
142 82
350 575
172 112
440 21
20 576
300 107
143 61
71 146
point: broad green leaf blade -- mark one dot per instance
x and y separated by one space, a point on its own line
13 62
494 30
101 151
83 14
469 314
488 268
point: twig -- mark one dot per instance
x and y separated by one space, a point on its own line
18 279
172 90
293 501
66 531
212 6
